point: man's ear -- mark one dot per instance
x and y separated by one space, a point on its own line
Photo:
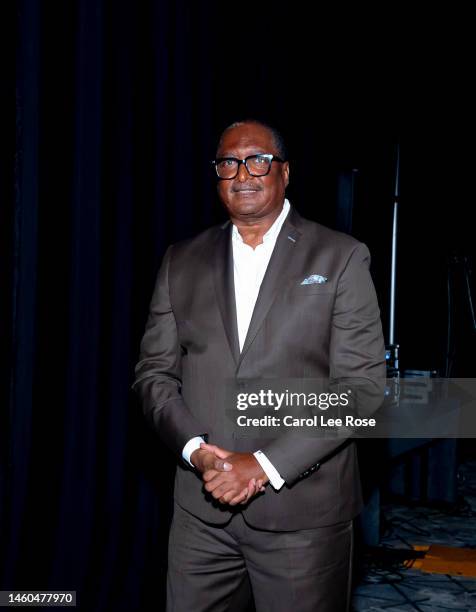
286 173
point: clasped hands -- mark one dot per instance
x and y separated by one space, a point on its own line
231 478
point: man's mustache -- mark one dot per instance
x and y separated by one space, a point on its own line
247 188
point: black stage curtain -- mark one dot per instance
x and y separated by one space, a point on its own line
118 107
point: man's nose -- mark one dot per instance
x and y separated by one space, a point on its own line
243 174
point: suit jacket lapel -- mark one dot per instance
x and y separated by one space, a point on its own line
223 276
278 270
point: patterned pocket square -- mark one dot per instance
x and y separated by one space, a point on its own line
314 278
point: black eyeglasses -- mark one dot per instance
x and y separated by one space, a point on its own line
257 165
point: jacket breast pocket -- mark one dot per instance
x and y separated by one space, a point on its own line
313 289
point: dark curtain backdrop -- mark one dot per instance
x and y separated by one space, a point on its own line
118 107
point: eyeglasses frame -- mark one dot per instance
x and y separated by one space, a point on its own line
244 161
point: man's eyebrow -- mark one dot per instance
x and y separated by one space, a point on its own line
236 156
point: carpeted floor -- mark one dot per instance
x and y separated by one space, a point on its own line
388 580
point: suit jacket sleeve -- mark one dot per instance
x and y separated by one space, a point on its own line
158 372
356 357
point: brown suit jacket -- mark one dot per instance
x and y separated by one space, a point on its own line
190 349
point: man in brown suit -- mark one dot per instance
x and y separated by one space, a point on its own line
266 295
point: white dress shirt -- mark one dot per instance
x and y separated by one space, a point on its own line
249 268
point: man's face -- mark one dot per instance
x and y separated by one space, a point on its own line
249 197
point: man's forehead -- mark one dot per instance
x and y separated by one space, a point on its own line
250 137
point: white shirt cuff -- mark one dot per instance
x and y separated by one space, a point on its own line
191 446
269 469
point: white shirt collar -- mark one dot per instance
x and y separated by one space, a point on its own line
273 231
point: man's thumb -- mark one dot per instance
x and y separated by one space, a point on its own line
221 453
223 466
